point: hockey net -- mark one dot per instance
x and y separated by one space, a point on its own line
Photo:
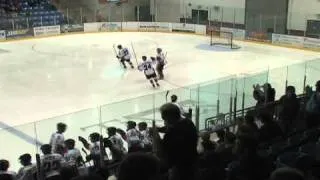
221 38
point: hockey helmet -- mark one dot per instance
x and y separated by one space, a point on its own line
119 46
159 50
144 58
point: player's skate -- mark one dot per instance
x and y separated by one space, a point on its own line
132 67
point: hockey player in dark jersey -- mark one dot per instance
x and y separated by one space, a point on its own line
124 56
160 58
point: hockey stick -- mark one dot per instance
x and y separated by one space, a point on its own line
134 53
85 152
167 96
38 165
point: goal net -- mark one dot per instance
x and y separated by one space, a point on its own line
222 38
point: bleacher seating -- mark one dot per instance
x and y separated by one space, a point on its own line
26 15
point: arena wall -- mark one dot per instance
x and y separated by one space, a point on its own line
300 11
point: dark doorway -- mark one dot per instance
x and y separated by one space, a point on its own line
199 16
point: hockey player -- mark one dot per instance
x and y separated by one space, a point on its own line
160 58
57 138
124 56
147 67
51 163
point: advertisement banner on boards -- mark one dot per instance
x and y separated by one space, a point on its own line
109 27
15 34
182 27
46 31
154 26
91 27
67 28
287 40
2 35
311 43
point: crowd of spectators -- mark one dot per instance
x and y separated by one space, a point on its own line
267 143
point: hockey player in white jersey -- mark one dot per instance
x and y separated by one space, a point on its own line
73 155
124 56
51 163
57 138
147 67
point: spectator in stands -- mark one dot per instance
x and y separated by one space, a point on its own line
239 121
269 92
57 138
270 129
305 164
116 147
286 173
4 173
145 136
249 120
133 137
174 100
228 143
73 155
220 134
250 165
29 170
139 166
258 95
289 109
206 143
313 107
178 148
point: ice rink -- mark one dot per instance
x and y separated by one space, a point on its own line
48 77
42 78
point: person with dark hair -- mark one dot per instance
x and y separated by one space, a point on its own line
286 173
313 108
258 95
133 137
249 120
250 165
139 166
289 109
29 170
57 138
270 129
145 136
122 133
220 134
94 148
115 145
270 93
228 143
4 173
124 56
178 148
51 163
206 143
174 100
73 155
